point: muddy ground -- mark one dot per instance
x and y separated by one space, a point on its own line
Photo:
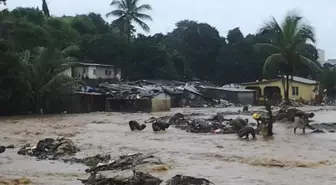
285 160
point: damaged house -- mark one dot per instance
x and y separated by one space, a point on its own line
127 98
231 94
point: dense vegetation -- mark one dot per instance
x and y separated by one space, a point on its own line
191 50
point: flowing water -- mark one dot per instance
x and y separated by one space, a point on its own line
224 159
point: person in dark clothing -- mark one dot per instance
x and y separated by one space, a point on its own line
304 115
134 125
238 123
160 126
246 131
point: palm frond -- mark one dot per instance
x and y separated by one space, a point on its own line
143 7
290 25
311 64
143 25
70 49
120 4
143 16
117 13
274 59
270 46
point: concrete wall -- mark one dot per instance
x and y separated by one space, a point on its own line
161 102
246 98
305 90
94 72
68 72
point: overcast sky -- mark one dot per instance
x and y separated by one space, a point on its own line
222 14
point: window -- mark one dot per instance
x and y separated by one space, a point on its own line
295 91
108 72
94 71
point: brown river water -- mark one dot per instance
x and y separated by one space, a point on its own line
223 159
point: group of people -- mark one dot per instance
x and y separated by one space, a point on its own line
239 125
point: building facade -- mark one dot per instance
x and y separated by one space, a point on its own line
300 88
94 71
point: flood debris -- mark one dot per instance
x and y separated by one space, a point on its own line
50 149
3 148
216 124
126 178
134 125
187 180
113 171
330 127
91 161
291 103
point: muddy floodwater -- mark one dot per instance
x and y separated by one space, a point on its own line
223 159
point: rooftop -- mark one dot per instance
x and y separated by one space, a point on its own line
94 64
232 89
295 79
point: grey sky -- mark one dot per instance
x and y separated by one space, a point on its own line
222 14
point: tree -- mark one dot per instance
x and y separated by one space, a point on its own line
285 39
129 11
45 8
3 1
45 75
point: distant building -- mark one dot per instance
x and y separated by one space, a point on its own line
331 61
321 54
94 71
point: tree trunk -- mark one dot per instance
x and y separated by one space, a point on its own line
269 120
286 89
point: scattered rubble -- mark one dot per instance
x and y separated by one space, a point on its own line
291 103
92 161
3 148
127 171
330 127
187 180
50 149
122 171
216 124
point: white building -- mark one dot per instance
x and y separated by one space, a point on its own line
94 71
331 61
321 54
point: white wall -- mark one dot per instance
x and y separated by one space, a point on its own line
68 72
321 54
88 71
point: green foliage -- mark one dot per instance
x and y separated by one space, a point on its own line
129 11
34 79
288 41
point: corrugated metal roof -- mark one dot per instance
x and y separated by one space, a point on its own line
94 64
295 79
302 80
233 89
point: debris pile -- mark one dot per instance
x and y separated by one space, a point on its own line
3 148
50 149
127 171
217 124
291 103
123 171
187 180
91 161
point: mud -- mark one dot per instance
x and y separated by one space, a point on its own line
223 159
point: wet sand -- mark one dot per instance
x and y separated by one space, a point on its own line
223 159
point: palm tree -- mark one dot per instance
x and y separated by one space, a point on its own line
129 11
45 74
286 40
